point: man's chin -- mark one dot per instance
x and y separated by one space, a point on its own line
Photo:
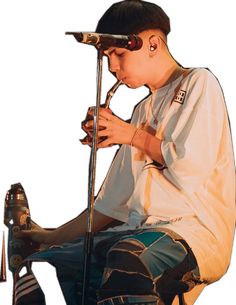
132 85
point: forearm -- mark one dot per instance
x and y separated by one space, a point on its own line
77 227
149 144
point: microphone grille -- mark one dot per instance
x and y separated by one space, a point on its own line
135 43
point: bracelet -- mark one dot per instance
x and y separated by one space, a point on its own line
135 132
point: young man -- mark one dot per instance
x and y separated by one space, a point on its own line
172 183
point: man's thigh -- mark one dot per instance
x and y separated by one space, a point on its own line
147 265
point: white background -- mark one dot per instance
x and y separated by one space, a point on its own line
47 81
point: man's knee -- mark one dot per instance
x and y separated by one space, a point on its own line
126 275
127 279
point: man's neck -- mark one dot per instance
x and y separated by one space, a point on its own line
166 75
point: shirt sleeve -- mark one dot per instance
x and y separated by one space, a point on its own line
117 187
192 137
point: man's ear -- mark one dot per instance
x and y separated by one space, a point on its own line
154 43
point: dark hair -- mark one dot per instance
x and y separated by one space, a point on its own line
132 17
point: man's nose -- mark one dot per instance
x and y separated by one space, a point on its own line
114 65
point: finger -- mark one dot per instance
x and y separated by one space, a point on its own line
86 141
88 130
106 114
104 133
101 125
91 110
105 143
87 125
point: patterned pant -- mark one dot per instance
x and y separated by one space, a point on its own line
132 267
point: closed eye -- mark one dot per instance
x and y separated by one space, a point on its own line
119 53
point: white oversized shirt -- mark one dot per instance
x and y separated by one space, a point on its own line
194 195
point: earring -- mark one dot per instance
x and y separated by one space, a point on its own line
153 47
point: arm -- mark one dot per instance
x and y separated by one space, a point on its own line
68 231
78 226
149 144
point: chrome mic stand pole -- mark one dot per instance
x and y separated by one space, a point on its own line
3 274
88 241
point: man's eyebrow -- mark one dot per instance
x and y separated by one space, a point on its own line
109 51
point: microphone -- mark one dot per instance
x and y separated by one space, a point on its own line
105 41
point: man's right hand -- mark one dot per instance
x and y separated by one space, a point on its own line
37 234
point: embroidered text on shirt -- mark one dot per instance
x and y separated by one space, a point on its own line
180 96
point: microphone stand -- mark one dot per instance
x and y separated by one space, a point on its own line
88 241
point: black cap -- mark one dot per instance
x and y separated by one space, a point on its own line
133 17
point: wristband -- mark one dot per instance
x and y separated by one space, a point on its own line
135 132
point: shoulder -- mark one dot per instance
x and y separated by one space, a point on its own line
202 75
201 82
203 90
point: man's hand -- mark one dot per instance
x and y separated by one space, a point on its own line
111 129
36 233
